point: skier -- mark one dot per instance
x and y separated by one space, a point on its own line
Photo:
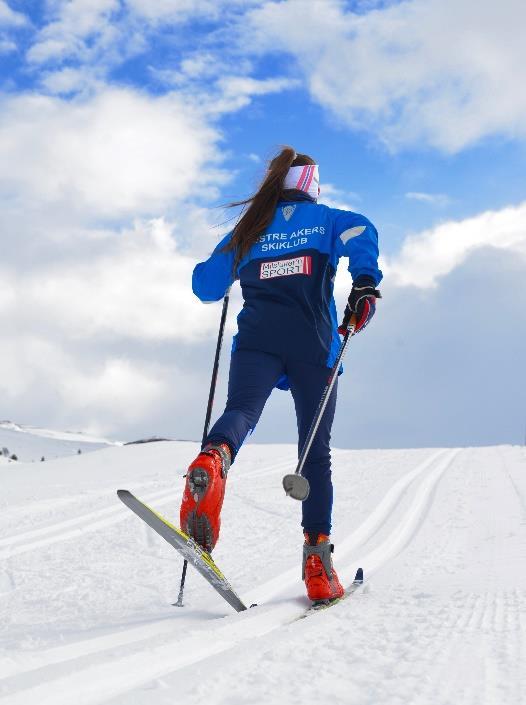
284 250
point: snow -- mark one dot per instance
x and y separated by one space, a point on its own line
86 588
30 444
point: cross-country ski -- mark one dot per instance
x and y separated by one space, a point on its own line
186 547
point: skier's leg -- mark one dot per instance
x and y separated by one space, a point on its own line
307 383
253 375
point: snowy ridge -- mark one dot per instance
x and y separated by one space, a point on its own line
57 435
31 444
404 514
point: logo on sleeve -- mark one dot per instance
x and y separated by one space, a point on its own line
286 267
351 232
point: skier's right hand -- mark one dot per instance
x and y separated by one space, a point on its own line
361 303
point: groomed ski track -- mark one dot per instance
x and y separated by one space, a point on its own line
190 652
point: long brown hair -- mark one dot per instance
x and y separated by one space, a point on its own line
262 205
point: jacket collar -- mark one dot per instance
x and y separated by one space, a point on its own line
293 194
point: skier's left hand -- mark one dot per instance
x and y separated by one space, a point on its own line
361 303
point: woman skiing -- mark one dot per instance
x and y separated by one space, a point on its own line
284 250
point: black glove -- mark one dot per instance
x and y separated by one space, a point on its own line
361 303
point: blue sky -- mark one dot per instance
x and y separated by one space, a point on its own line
125 123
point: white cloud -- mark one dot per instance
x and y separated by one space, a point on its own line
436 252
139 291
87 39
7 294
134 285
335 197
105 32
118 153
92 333
225 91
100 392
434 199
9 17
236 92
201 65
179 11
118 386
77 20
72 80
198 69
174 10
92 336
7 46
429 72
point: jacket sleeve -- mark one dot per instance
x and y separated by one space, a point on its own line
211 279
357 239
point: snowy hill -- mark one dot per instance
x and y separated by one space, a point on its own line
30 444
85 587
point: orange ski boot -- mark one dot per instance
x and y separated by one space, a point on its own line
318 572
203 495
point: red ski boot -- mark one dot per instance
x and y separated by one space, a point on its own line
319 575
203 495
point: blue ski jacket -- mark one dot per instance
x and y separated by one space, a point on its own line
287 279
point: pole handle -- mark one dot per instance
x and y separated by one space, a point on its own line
353 322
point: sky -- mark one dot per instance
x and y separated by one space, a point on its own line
125 125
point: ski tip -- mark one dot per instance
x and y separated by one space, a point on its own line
123 493
359 576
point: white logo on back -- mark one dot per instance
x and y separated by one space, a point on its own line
288 211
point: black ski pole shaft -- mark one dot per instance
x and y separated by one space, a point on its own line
215 369
296 485
213 383
179 602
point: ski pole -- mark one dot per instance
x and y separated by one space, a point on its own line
211 394
295 484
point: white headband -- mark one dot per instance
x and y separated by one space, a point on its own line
304 178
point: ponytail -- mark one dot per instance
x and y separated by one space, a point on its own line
262 205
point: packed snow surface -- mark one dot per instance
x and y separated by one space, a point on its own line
86 588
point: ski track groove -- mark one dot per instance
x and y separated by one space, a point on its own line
58 526
443 642
362 534
85 525
410 523
287 464
493 632
92 521
100 681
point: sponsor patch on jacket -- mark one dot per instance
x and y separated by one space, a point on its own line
286 267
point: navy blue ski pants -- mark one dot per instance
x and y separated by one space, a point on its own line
253 375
